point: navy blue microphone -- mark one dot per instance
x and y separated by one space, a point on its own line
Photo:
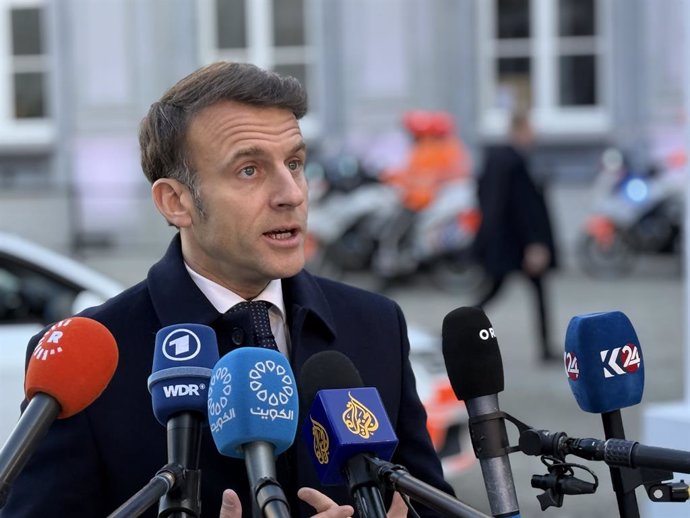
252 412
183 360
346 425
603 362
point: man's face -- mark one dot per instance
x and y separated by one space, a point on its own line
250 167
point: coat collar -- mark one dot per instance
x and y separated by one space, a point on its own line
177 299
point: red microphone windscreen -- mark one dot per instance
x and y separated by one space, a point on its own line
73 362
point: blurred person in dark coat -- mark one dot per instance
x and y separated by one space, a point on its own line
515 232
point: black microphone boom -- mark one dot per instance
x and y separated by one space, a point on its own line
398 478
166 480
614 452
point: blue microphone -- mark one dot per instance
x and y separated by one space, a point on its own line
603 362
252 411
183 359
346 427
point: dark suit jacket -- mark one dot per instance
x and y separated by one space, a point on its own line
514 212
91 463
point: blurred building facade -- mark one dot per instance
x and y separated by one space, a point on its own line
76 76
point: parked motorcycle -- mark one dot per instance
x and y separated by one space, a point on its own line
348 226
636 214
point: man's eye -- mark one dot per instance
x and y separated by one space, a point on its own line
248 171
294 165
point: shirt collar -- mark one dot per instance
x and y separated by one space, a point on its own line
223 299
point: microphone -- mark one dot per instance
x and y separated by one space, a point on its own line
183 360
252 413
603 361
345 424
69 368
352 439
475 370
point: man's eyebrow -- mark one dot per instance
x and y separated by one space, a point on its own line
252 151
302 146
255 151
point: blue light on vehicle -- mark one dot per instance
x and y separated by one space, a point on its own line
636 189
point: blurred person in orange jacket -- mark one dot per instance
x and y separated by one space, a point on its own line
436 158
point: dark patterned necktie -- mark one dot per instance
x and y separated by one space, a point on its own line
261 325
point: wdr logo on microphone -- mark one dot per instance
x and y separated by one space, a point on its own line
181 345
189 389
620 360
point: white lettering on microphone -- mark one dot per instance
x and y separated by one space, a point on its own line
485 334
181 390
54 337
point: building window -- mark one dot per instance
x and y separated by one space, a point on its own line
269 33
28 63
545 55
24 72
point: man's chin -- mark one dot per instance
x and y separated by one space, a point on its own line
289 269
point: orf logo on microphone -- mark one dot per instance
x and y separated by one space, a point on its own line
486 334
181 345
621 360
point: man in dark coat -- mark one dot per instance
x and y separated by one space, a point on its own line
515 232
225 156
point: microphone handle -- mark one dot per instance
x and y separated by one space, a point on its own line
498 477
363 485
627 502
32 426
269 497
184 449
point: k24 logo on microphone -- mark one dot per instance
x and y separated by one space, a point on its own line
572 369
621 360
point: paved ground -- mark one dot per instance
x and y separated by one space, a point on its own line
653 298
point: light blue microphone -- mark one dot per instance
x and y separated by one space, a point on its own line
252 411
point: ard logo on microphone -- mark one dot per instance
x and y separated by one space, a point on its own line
621 360
181 345
49 344
359 419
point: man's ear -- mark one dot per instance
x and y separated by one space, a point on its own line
174 201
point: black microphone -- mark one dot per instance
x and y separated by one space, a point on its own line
68 370
475 370
183 360
323 376
325 372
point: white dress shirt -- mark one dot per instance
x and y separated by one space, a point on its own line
223 299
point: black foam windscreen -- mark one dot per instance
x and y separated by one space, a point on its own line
326 370
471 353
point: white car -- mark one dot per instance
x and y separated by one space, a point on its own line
39 286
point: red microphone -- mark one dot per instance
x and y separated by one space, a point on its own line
70 367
